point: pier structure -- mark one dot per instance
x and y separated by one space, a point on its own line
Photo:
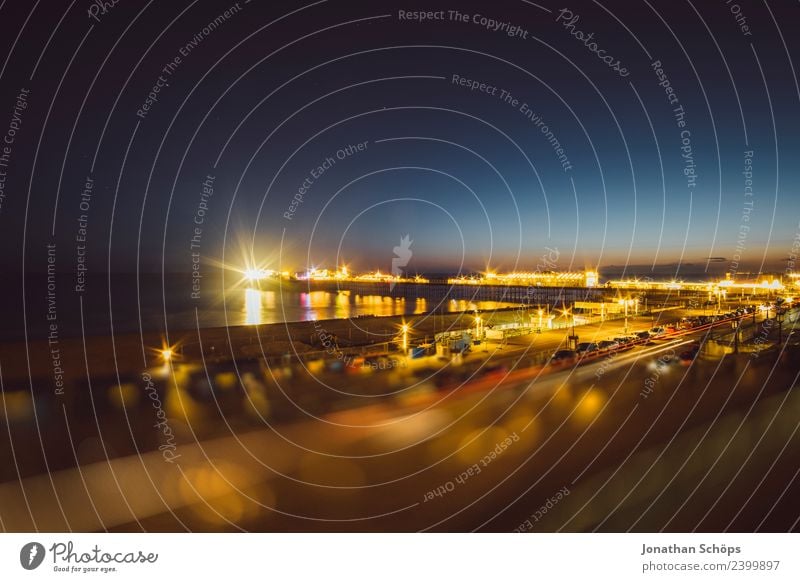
442 291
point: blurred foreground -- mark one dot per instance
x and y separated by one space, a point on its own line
500 438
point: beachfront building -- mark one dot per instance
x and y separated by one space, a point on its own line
739 285
344 275
530 279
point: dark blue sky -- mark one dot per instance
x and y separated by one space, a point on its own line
469 176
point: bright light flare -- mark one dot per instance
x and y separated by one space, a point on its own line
254 274
167 354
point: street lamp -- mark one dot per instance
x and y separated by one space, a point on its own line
626 303
404 329
572 340
167 354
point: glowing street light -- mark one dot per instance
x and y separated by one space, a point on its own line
626 303
572 339
167 354
404 329
718 292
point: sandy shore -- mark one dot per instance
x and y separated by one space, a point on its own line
131 353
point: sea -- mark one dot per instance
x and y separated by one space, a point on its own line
35 307
125 303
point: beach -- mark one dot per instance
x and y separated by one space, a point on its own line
130 353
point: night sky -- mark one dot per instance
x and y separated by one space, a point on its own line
264 105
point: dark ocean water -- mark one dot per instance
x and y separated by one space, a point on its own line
123 303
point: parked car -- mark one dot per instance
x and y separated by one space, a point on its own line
564 357
643 335
657 331
607 345
586 347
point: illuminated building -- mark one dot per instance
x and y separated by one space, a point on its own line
531 279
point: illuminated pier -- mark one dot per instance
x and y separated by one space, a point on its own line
531 286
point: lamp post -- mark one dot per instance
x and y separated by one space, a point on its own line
626 303
572 339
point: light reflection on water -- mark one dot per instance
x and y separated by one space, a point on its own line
261 307
252 306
